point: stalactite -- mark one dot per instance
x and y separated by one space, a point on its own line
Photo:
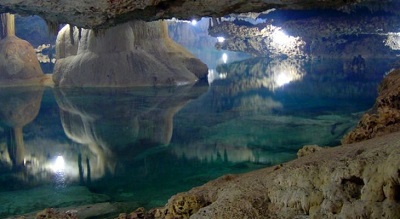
71 34
80 33
3 25
52 27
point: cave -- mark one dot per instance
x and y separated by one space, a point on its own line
199 109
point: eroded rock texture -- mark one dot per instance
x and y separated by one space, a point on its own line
384 117
311 34
132 54
361 181
17 67
104 13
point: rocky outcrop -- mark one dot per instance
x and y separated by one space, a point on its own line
17 67
384 117
132 54
104 13
341 182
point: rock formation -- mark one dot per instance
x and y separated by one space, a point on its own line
361 180
18 62
132 54
311 34
97 14
384 117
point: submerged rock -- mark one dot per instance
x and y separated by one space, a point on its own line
132 54
384 117
51 213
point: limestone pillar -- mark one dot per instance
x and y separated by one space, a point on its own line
8 25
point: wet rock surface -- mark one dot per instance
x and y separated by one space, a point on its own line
384 117
357 181
311 34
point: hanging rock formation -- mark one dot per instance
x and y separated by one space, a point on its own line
132 54
96 14
311 34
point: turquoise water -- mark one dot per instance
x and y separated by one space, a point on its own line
139 146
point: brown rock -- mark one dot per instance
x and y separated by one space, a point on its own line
18 61
308 149
384 117
51 213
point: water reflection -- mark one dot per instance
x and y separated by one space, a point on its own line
19 106
128 124
262 73
143 145
264 110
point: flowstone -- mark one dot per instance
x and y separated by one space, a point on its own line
131 54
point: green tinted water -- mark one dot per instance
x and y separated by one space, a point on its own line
139 146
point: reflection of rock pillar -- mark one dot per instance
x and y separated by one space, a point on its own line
19 146
8 23
16 147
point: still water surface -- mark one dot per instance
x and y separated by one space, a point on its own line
139 146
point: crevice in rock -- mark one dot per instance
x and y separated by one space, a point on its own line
353 186
397 193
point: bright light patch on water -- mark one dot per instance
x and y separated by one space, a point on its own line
58 165
214 75
225 58
221 39
194 22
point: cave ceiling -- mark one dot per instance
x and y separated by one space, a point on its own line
100 14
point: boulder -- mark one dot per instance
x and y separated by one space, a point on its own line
132 54
18 62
